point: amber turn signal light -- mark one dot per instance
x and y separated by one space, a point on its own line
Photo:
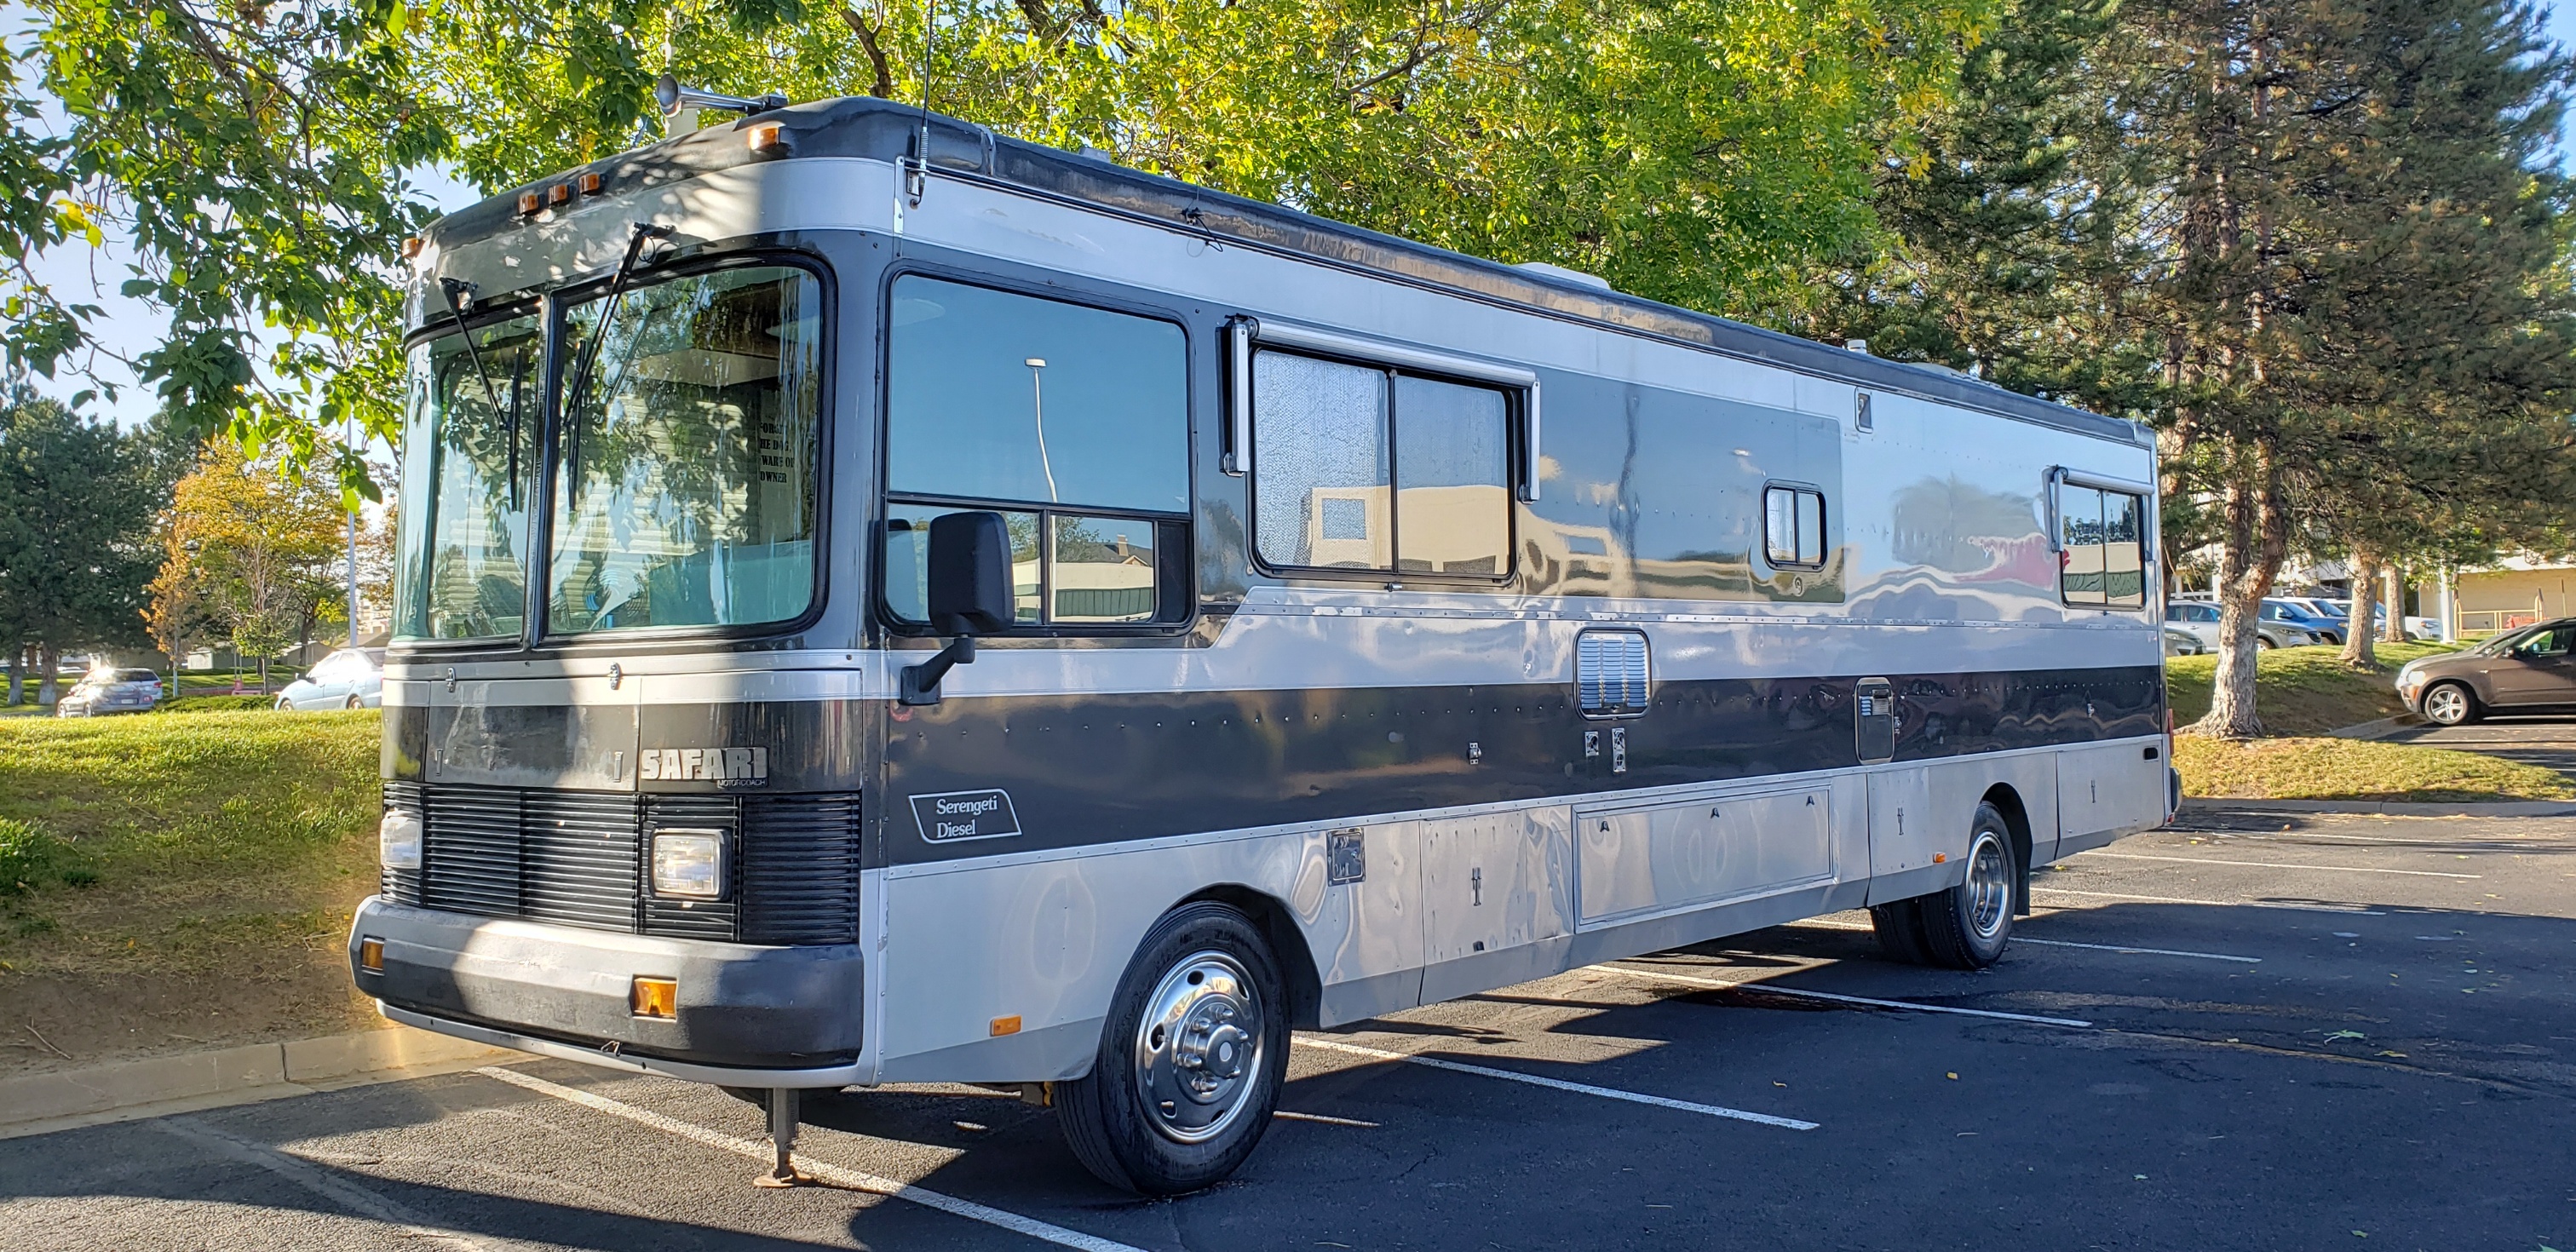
655 997
1006 1025
762 137
371 954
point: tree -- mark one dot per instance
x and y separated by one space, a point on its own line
2315 243
75 519
261 545
1708 152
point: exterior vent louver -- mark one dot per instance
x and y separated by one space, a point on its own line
1611 672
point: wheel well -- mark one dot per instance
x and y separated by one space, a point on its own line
2017 821
1296 963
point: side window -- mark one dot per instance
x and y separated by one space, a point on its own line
1072 422
2101 549
1793 527
1363 468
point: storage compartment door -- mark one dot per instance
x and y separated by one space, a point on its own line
2110 787
1673 856
1903 834
1492 882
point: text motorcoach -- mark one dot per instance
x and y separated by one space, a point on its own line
880 602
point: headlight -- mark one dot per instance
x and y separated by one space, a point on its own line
398 839
688 864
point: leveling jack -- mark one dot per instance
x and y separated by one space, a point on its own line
782 1136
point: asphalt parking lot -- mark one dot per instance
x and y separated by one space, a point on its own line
2255 1031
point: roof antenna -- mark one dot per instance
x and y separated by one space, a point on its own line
918 180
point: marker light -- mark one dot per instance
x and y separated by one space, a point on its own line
528 203
398 839
655 997
762 137
688 864
411 247
592 183
371 953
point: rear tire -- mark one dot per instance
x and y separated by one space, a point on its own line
285 705
1192 1058
1968 926
355 703
1900 931
2262 644
2451 704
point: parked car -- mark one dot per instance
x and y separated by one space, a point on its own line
351 678
2179 642
2291 612
2530 668
2199 619
2417 628
111 691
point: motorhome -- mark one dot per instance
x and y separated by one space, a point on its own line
880 602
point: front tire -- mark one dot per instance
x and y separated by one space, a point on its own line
1192 1058
2451 704
2262 644
1968 926
285 705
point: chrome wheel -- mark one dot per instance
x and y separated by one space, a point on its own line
1199 1047
1990 885
2447 704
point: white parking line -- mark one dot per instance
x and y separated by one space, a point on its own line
2345 910
319 1181
837 1175
2114 947
1837 997
2339 869
1557 1084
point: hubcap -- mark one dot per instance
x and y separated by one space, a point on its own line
1199 1047
1989 885
2446 705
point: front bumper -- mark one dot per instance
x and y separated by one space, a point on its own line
747 1014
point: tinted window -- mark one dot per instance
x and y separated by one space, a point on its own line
2101 547
685 471
994 396
1793 526
1366 468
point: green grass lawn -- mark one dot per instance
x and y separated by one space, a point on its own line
141 853
2353 769
2300 691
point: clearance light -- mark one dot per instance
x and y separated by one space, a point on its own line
398 839
688 864
411 247
371 953
560 193
592 184
1006 1025
528 203
655 997
762 137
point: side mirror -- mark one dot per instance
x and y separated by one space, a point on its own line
970 574
970 594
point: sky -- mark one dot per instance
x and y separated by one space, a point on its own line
127 327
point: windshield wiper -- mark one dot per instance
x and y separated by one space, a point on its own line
573 394
491 394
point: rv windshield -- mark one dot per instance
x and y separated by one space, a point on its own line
685 473
464 508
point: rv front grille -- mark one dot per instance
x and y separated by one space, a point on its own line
579 858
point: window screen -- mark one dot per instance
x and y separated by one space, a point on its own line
1364 468
2101 547
1793 526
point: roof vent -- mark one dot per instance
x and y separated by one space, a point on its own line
1564 275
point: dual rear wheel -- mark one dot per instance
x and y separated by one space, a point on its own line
1969 925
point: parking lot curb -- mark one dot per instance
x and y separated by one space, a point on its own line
2389 808
2380 729
31 1103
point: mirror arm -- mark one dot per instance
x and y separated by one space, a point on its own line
921 682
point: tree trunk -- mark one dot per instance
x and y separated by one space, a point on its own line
47 659
2257 540
2395 630
2360 630
17 673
